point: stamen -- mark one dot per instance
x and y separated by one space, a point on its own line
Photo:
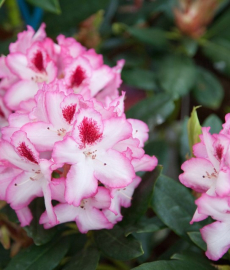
22 183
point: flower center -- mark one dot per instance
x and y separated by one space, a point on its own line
26 152
219 151
89 131
38 61
77 77
1 113
68 112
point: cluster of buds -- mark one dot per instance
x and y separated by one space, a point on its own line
208 173
64 134
193 16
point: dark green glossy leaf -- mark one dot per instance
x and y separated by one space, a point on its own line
184 143
177 75
141 198
152 36
218 51
4 256
73 12
208 91
220 26
114 244
190 46
48 5
197 239
146 225
153 110
160 149
199 262
214 122
45 257
170 265
177 247
87 259
140 78
35 230
174 205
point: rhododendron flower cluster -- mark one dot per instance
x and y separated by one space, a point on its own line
208 173
64 134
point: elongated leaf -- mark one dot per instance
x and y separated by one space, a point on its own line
35 230
114 244
171 265
45 257
195 259
153 110
218 51
160 149
87 259
177 75
220 26
194 129
48 5
141 198
197 239
147 81
146 225
152 36
174 205
214 122
208 91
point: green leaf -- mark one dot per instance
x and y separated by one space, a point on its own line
197 239
73 12
194 129
218 51
114 244
140 78
151 36
153 110
146 225
35 230
177 75
220 27
184 143
190 46
174 205
160 149
177 247
4 257
197 260
141 198
45 257
48 5
170 265
1 2
208 91
87 259
214 122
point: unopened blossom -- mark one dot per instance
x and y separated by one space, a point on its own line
192 16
